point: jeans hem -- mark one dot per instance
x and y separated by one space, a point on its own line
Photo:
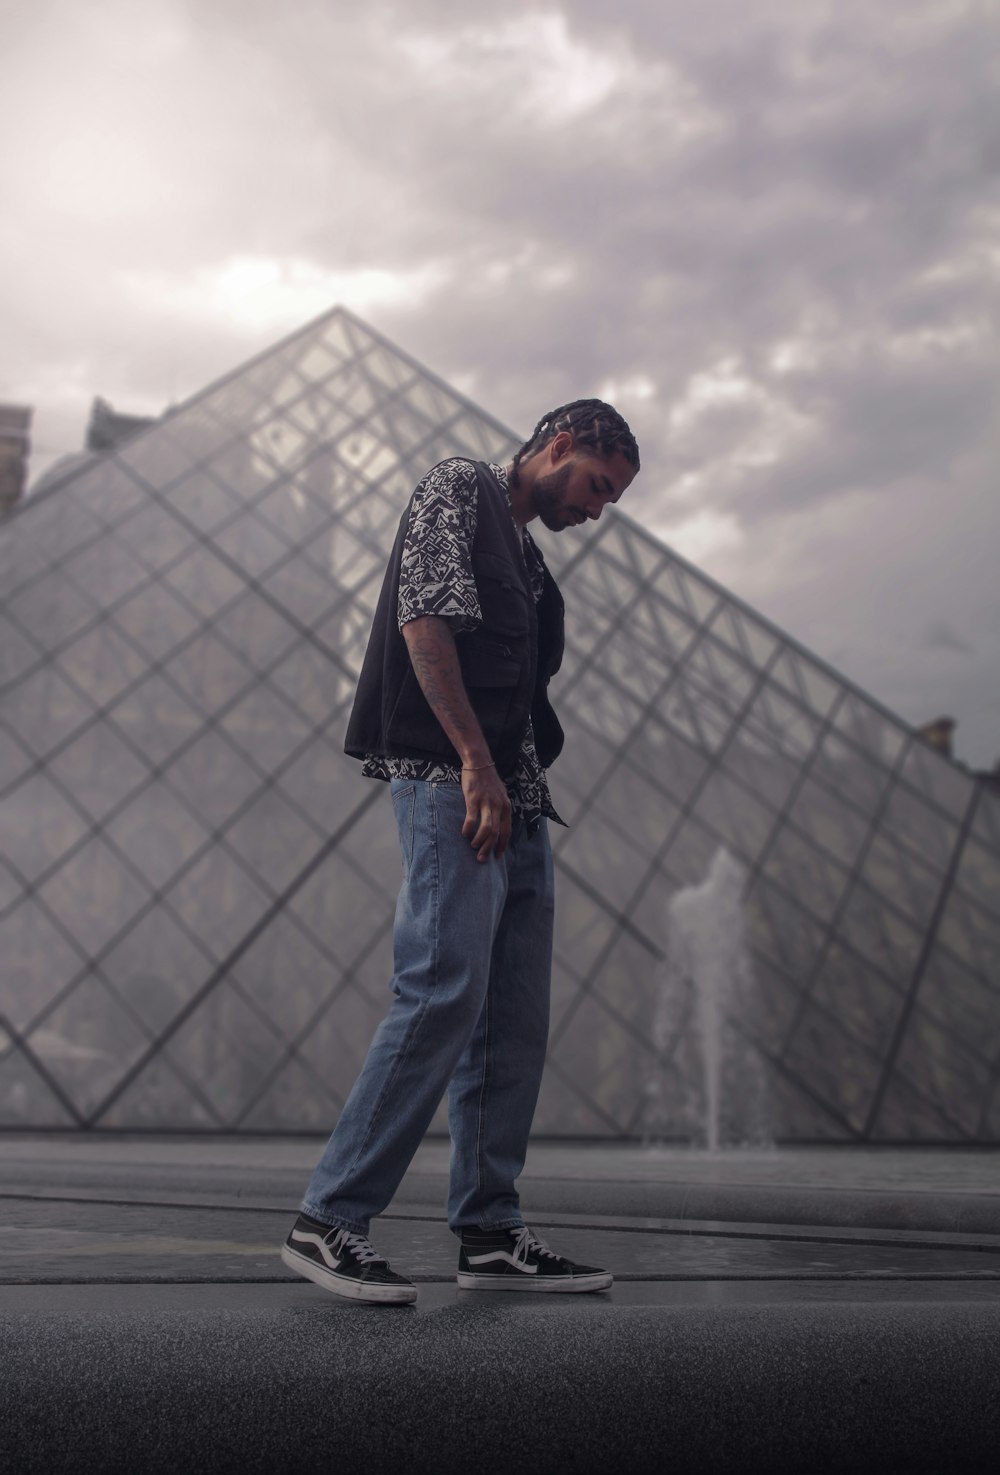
517 1223
350 1225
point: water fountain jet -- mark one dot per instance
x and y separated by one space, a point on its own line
706 993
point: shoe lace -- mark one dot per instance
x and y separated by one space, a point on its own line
526 1243
357 1245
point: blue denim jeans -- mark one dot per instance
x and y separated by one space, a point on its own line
473 955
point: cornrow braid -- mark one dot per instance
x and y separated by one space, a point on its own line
591 422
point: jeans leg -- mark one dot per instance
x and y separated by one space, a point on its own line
494 1090
446 916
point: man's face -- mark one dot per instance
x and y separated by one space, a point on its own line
580 487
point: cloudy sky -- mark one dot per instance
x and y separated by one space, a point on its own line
768 230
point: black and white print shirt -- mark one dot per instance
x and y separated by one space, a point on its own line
436 579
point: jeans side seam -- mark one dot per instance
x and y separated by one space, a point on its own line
421 1009
404 1055
487 1042
436 885
418 1014
481 1113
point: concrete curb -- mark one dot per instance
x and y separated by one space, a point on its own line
933 1212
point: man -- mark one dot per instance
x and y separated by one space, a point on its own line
452 709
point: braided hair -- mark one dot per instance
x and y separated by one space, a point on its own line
591 422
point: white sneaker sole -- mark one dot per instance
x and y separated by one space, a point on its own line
566 1284
357 1290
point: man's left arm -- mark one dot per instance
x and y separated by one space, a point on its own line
434 657
438 599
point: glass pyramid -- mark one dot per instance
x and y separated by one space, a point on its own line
197 887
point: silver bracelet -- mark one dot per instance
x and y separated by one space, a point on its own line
466 769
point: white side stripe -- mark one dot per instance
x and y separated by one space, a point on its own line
491 1255
315 1239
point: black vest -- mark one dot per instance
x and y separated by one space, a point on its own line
506 661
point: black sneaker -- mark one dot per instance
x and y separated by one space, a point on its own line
343 1262
516 1260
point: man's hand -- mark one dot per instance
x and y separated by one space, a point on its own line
431 645
487 812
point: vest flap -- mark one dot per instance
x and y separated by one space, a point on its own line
486 662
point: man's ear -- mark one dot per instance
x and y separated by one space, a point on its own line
560 445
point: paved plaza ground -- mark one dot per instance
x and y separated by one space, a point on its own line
799 1310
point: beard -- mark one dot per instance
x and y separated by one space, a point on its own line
547 497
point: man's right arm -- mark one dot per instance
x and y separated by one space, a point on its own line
434 657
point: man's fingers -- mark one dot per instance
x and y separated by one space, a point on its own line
487 820
503 839
488 833
501 834
492 834
478 825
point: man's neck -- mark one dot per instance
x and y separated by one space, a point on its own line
521 502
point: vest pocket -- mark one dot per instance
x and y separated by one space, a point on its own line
503 598
489 663
492 671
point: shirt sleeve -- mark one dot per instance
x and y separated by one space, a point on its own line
435 576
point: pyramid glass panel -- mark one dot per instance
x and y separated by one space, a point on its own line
155 969
197 886
40 962
155 536
87 1043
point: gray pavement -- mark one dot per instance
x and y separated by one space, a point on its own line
833 1309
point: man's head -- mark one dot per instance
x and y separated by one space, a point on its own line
577 460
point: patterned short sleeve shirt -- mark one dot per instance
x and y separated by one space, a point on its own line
436 579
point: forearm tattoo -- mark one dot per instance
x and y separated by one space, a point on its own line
435 665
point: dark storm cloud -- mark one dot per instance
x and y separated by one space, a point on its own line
834 173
